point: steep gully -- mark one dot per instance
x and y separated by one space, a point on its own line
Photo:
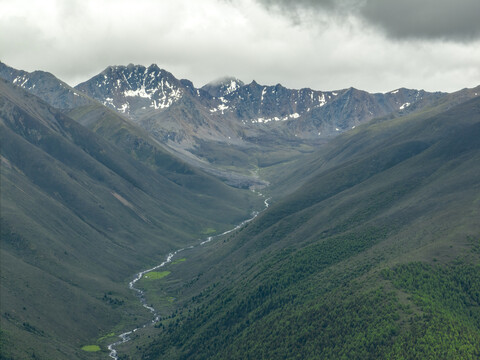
125 337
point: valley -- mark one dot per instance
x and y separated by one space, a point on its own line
273 222
151 274
341 262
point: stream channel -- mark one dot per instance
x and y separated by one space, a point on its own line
125 337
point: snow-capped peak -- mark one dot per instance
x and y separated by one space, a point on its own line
223 86
134 88
234 85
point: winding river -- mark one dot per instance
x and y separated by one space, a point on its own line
125 337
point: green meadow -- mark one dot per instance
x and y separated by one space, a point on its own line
156 275
91 348
179 261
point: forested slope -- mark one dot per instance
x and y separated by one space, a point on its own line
375 256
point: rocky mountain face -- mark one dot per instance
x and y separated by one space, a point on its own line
230 111
134 90
223 86
46 86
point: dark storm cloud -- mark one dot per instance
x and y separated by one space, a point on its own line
401 19
428 19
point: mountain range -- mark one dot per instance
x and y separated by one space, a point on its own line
225 127
227 110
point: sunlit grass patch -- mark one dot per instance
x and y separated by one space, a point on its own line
106 336
155 275
208 231
179 261
91 348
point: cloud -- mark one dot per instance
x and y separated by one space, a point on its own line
399 19
330 44
426 19
299 4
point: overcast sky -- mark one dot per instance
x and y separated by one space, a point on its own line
375 45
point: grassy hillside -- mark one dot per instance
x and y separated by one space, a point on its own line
238 165
145 148
375 256
79 216
375 135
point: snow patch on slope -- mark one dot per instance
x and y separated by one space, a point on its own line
275 118
141 92
233 86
